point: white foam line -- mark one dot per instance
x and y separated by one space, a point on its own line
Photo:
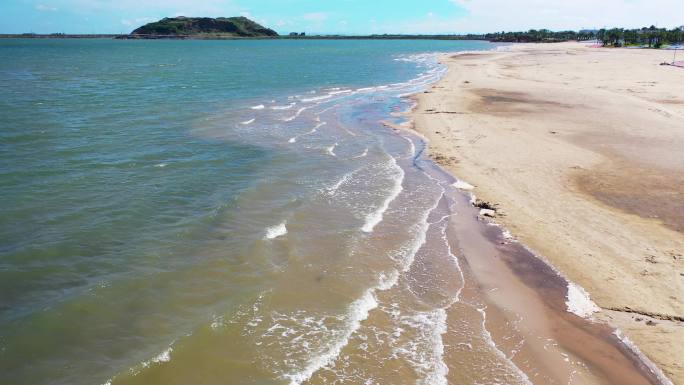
313 130
248 122
339 92
317 98
326 110
649 364
259 107
363 154
490 342
331 150
164 356
375 217
439 369
316 127
358 312
457 297
296 115
412 147
345 178
422 238
284 107
438 376
351 133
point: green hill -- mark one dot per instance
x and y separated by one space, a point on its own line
194 26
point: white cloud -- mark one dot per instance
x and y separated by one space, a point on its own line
312 21
137 22
317 17
45 8
209 8
497 15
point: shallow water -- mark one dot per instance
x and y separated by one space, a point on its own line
244 212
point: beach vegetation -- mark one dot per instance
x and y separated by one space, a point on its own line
651 37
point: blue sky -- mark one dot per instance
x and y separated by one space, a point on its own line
341 16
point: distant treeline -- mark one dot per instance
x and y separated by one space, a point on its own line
651 36
647 36
31 35
617 37
539 36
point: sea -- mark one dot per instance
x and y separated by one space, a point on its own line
239 212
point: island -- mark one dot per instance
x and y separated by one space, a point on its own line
182 27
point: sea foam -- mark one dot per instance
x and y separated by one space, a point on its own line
295 116
361 155
645 360
345 178
357 312
461 185
316 99
276 231
287 107
429 358
375 217
490 341
578 301
331 150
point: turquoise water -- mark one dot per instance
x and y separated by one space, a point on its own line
151 189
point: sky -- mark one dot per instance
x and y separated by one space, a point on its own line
343 16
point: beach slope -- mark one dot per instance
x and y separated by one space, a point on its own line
581 151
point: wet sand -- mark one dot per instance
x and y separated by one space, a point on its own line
525 303
580 150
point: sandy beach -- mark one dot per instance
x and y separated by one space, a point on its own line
580 151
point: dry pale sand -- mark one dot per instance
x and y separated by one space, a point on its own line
582 151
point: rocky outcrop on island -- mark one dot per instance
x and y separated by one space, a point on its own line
203 26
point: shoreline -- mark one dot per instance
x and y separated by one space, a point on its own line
528 317
455 110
